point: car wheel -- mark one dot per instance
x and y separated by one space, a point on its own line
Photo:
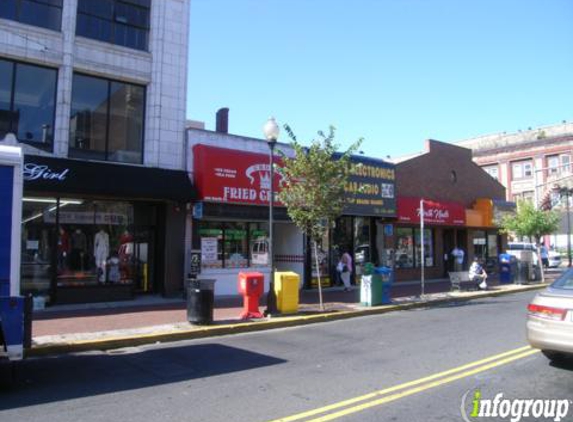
556 357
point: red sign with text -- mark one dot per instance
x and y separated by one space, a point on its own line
233 176
444 213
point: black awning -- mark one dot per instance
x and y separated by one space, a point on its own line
74 177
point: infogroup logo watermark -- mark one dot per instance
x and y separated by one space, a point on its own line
475 407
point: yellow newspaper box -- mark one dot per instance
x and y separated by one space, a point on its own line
286 291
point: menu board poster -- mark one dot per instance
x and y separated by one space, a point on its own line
209 249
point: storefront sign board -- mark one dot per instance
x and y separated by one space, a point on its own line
439 213
232 176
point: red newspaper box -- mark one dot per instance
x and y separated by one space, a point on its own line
251 286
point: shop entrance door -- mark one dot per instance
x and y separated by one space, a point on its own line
449 244
141 259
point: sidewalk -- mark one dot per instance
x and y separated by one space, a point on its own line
146 320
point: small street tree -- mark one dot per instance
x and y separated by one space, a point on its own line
313 186
532 223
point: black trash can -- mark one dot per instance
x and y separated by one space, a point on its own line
200 301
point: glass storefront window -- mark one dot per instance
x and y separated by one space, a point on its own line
259 244
404 248
75 242
211 245
38 233
322 247
480 244
362 253
235 246
96 243
428 248
492 249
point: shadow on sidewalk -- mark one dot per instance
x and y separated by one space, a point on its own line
74 376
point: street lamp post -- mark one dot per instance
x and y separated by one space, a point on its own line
567 192
271 131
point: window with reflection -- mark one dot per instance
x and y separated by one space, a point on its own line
404 248
106 121
27 101
38 235
121 22
43 13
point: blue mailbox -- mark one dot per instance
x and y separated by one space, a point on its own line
505 273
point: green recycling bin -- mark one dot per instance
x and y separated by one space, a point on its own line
370 287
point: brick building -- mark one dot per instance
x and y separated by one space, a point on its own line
530 164
95 94
460 205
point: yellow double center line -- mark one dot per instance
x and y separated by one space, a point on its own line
377 398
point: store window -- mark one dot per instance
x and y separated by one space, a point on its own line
362 252
234 245
80 243
480 244
42 13
27 102
38 242
106 121
492 245
409 247
404 248
259 245
211 245
120 22
319 262
428 247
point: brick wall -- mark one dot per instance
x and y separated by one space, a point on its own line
446 173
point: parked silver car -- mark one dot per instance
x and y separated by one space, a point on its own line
550 319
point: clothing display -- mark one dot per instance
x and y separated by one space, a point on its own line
79 248
101 252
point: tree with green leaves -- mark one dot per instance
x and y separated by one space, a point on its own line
313 186
532 223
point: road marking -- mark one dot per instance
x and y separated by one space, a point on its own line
423 383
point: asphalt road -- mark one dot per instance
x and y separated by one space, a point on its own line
405 366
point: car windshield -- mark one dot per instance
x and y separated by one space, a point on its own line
564 282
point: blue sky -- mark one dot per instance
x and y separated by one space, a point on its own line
394 72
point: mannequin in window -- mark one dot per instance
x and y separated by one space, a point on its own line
63 249
79 249
101 252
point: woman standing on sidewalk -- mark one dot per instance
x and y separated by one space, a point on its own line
344 268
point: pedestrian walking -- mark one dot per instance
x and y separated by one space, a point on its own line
544 255
478 275
344 268
458 255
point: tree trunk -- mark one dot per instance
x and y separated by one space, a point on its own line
318 274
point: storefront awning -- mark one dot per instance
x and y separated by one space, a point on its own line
60 176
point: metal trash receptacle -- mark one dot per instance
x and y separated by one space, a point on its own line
200 301
286 291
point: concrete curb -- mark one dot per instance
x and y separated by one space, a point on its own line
254 326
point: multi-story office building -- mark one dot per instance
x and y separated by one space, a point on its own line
95 93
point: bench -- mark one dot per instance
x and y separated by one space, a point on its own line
459 277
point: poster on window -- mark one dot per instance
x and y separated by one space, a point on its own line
209 249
